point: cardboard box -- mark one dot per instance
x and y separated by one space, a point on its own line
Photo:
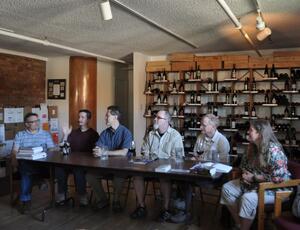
158 66
183 66
260 62
52 112
181 57
210 65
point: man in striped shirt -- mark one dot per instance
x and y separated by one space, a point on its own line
32 136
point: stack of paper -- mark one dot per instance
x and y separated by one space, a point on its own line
31 153
218 167
163 168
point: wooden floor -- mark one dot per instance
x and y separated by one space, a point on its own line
84 218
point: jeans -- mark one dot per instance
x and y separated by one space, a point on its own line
27 171
62 174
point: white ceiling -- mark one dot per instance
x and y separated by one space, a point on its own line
78 24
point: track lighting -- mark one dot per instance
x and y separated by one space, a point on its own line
105 10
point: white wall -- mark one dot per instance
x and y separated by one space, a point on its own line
59 68
105 91
139 99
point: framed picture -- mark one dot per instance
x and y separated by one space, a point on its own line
56 89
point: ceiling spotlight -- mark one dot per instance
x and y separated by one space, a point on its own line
266 32
106 10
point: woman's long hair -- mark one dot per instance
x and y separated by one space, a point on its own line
267 135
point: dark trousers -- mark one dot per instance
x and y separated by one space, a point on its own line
62 174
27 171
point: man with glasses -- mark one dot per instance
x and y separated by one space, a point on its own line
208 142
159 143
32 136
117 139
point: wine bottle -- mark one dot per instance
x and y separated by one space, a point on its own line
149 111
209 110
175 111
181 87
293 136
198 122
253 112
254 85
274 101
227 98
192 98
266 72
294 83
287 85
233 123
287 138
209 86
215 110
233 72
192 74
165 99
273 71
216 86
286 112
149 86
158 99
246 83
267 99
181 111
246 112
234 98
293 111
187 76
198 98
164 76
159 77
234 149
174 89
198 72
228 121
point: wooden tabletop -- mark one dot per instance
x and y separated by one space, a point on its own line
121 166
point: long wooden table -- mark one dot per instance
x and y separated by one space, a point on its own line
117 166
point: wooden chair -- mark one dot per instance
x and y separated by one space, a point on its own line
289 222
294 169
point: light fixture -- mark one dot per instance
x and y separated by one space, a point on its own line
105 10
264 31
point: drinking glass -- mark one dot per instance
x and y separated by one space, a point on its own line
215 156
104 153
179 155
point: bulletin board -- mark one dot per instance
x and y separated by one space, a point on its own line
56 89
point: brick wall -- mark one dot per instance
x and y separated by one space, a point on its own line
22 81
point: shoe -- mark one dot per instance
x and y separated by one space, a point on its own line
24 207
116 206
83 200
139 213
181 217
60 197
164 216
100 204
43 186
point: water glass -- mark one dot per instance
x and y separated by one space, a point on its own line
215 156
179 153
104 153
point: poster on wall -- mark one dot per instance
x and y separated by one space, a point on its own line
56 89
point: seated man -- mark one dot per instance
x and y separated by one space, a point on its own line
160 142
210 142
117 138
32 136
82 139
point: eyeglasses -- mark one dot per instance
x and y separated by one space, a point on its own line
158 117
31 122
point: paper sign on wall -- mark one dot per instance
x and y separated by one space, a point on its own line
13 115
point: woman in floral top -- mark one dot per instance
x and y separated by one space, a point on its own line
264 161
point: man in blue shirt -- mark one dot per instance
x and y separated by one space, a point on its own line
32 136
117 139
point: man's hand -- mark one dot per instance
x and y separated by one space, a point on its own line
14 161
66 131
97 151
